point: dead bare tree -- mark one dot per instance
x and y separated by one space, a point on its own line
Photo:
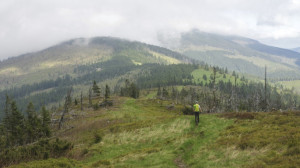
81 99
66 108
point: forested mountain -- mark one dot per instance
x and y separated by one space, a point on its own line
63 58
45 77
237 53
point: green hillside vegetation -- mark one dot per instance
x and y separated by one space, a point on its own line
295 84
145 133
226 90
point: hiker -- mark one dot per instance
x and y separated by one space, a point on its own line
196 109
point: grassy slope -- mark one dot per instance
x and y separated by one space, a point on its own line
292 84
143 133
198 76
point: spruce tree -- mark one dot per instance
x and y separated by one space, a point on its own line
46 121
17 125
90 97
165 93
204 77
81 100
159 93
107 92
96 89
7 112
32 124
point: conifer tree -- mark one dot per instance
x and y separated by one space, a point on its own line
32 124
134 91
17 125
159 93
81 100
96 89
90 97
165 93
46 120
107 92
204 77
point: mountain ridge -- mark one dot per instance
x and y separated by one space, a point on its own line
61 59
237 53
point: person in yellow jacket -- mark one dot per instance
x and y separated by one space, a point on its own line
197 109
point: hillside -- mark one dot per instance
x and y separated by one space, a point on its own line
45 77
296 49
144 133
240 54
62 59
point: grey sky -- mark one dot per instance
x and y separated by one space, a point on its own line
32 25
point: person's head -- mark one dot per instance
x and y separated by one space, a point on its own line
196 102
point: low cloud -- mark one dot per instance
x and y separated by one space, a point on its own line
33 25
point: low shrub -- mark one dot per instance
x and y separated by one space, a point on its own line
240 115
188 110
42 149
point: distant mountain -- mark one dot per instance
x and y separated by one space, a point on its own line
237 53
296 49
63 58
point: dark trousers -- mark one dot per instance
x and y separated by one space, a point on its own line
196 118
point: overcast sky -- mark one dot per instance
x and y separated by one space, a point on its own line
32 25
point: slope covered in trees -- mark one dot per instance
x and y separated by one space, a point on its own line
221 90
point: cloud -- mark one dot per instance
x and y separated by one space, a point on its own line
32 25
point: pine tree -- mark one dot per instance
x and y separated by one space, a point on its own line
107 92
90 97
174 93
159 93
17 125
204 77
134 91
32 124
165 93
96 89
7 112
46 120
81 100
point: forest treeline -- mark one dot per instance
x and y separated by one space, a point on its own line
217 93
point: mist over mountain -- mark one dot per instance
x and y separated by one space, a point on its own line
296 49
237 53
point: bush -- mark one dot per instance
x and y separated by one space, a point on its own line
98 138
96 106
106 103
188 110
43 149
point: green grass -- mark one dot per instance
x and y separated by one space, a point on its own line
143 133
198 76
53 163
267 139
